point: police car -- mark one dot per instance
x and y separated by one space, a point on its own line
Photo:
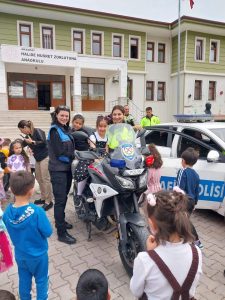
208 138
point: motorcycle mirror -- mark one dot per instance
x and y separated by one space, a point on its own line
79 134
141 132
145 151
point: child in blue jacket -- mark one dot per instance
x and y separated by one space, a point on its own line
28 228
188 181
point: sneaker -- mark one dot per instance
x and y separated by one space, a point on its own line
199 244
39 201
47 206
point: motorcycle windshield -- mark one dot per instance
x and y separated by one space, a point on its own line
122 139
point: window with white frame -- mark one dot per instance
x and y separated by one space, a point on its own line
161 53
134 48
25 35
47 37
150 90
161 91
214 45
199 49
198 90
78 41
96 43
212 90
117 46
150 51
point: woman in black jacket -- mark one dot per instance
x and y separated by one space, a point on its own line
61 154
36 140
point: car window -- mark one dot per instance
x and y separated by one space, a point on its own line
203 151
160 138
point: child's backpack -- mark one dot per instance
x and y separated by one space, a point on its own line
178 291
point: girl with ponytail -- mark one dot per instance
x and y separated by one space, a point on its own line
171 267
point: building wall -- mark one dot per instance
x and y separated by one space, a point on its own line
174 53
159 72
8 35
206 66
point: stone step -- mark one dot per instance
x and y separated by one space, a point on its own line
41 119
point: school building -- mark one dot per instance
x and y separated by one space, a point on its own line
55 55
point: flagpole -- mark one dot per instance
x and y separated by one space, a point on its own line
178 62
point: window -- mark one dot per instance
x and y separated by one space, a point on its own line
57 90
31 89
78 39
25 35
134 48
92 88
213 51
117 46
199 49
47 37
212 90
161 52
198 90
96 43
161 138
150 51
130 89
150 90
16 89
161 91
184 143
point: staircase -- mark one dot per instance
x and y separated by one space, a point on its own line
41 119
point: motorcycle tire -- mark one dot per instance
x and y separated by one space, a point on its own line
136 242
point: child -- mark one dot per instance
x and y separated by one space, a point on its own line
188 181
6 259
169 245
92 284
28 228
154 175
2 191
18 159
98 138
6 295
5 151
81 172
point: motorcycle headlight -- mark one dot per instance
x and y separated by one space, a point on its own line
143 180
125 183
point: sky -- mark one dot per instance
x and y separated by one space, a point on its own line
159 10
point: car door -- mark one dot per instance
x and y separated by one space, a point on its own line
212 175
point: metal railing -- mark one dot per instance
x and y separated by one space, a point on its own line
135 111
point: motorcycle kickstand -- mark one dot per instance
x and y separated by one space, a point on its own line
88 226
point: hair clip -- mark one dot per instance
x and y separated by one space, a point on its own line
151 200
178 190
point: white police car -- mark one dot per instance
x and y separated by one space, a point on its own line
172 139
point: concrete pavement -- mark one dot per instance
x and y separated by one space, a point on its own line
66 262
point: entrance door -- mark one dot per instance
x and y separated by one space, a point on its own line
44 95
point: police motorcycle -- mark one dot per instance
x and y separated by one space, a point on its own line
115 183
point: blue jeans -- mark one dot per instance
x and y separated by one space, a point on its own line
29 267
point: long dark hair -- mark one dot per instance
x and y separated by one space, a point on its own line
169 210
23 153
57 110
25 123
157 157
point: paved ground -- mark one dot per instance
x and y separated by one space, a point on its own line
68 262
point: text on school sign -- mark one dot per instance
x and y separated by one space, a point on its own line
27 55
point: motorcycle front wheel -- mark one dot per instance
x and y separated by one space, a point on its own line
136 242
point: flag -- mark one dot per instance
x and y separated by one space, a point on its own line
192 3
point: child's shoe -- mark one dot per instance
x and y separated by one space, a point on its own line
198 244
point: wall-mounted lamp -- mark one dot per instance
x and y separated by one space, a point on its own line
189 96
115 79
